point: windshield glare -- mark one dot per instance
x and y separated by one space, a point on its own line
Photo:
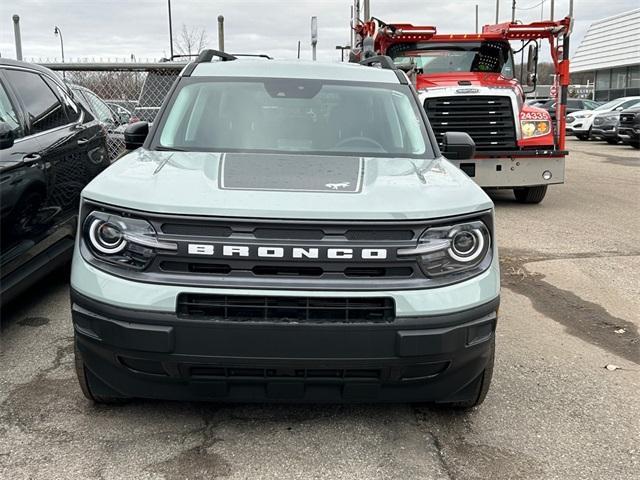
491 57
609 105
294 116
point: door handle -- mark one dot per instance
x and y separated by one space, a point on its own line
83 141
32 157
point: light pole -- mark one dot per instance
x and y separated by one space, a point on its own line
342 49
170 32
58 32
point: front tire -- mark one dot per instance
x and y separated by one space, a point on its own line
85 385
584 136
612 141
530 194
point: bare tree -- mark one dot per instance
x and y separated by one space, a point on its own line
191 41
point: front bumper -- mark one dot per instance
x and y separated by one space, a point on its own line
134 345
515 171
604 131
629 134
141 354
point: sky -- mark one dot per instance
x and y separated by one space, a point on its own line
116 29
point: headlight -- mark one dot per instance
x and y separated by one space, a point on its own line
123 241
583 115
610 118
456 249
534 128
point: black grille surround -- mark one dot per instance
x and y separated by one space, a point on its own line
629 119
487 119
250 308
183 269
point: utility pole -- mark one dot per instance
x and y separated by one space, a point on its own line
314 37
513 11
571 8
221 33
476 18
553 4
298 49
18 37
367 12
342 49
497 10
170 32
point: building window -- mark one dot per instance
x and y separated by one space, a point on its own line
603 79
619 78
634 76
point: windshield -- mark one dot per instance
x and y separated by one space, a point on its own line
610 105
293 116
492 57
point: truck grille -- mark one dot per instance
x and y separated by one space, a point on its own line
487 119
628 119
242 308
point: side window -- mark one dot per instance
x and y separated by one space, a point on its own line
629 103
103 112
8 114
73 112
44 110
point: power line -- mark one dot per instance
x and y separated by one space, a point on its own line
531 7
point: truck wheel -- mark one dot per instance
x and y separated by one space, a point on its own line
612 141
483 385
81 372
635 145
530 194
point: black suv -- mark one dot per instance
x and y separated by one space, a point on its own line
629 126
50 148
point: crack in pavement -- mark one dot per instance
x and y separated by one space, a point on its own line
583 319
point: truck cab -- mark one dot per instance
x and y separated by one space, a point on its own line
468 82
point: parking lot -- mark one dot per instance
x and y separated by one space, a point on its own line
570 303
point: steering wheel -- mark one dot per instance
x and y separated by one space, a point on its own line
361 140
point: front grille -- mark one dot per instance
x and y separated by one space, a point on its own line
241 308
627 118
305 374
487 119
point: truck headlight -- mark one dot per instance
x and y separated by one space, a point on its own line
122 241
463 249
534 128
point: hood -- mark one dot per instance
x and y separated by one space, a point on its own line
464 79
287 186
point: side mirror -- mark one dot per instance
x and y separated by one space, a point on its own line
135 134
458 146
7 136
123 117
532 65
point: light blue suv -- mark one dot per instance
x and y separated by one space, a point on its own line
286 231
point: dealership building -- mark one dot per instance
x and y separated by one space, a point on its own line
611 51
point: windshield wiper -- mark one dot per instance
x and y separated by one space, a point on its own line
169 149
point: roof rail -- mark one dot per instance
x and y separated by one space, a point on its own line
258 55
208 54
384 61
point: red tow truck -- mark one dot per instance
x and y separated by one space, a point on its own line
468 83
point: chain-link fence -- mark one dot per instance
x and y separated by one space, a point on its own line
119 93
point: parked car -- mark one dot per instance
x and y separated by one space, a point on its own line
300 238
629 126
50 148
123 114
573 105
579 123
112 122
605 126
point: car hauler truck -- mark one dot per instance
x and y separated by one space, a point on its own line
468 83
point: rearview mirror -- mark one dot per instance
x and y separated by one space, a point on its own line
7 136
135 134
458 146
532 65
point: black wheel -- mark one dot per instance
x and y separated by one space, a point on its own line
530 194
85 385
611 141
583 136
482 386
635 145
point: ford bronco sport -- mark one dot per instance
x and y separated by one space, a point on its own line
286 231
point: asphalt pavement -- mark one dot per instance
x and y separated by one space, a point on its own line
570 303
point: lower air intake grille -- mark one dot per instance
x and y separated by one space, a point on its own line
487 119
285 309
